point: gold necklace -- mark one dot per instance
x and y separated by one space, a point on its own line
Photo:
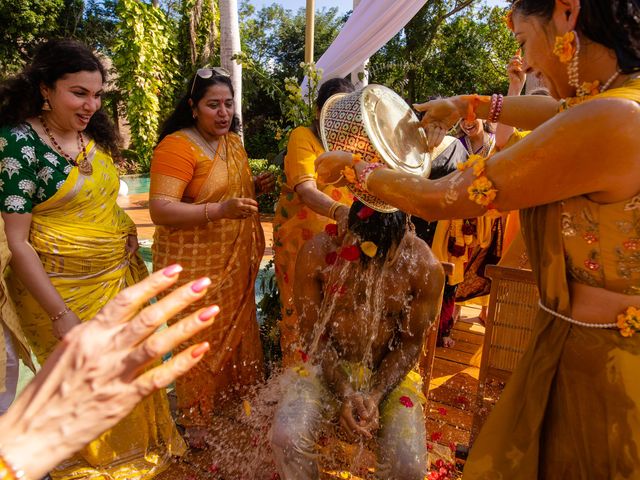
211 149
84 166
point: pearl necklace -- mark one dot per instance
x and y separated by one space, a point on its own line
84 166
484 150
575 322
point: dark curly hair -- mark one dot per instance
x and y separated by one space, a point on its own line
182 115
383 229
20 96
612 23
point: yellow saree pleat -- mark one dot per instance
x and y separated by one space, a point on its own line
571 410
229 252
80 235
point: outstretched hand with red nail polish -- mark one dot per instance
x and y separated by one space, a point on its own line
101 370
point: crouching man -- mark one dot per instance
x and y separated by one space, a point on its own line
366 302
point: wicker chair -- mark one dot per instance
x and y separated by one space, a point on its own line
513 304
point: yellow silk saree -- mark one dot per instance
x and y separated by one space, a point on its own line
80 235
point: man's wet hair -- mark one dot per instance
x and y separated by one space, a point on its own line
383 229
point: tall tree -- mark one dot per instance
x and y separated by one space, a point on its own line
230 46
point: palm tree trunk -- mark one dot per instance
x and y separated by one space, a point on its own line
229 46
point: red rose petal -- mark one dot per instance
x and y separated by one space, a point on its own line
435 436
406 401
303 356
442 411
331 229
365 212
350 253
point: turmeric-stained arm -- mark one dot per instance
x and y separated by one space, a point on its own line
568 156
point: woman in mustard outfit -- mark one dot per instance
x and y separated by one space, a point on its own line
571 410
304 208
73 248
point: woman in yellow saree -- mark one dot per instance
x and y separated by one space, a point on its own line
202 199
305 208
73 248
571 410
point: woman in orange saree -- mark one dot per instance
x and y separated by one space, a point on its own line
202 200
305 208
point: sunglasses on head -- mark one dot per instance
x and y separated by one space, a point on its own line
208 72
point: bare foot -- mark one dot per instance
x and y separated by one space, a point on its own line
448 342
196 437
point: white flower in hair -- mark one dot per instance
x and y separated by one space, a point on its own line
10 165
27 186
14 203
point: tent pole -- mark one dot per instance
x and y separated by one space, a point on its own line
308 46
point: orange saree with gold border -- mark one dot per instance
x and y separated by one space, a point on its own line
229 251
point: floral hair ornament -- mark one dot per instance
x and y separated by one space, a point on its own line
508 20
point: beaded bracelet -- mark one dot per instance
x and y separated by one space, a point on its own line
497 101
8 471
59 315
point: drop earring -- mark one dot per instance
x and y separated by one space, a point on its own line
46 106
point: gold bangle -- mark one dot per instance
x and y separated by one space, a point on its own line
332 210
206 212
60 314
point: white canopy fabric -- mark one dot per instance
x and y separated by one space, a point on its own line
371 25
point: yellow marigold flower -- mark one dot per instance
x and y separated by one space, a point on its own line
629 322
369 249
565 48
349 174
246 406
471 161
482 192
508 19
591 88
303 372
478 167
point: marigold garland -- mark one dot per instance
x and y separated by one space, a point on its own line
629 322
481 190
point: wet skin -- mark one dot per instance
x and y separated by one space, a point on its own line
380 317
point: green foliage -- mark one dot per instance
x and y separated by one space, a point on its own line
270 314
267 202
444 53
273 49
143 57
25 24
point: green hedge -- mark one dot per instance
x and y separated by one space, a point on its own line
267 202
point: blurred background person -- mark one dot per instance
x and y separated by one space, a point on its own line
305 208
